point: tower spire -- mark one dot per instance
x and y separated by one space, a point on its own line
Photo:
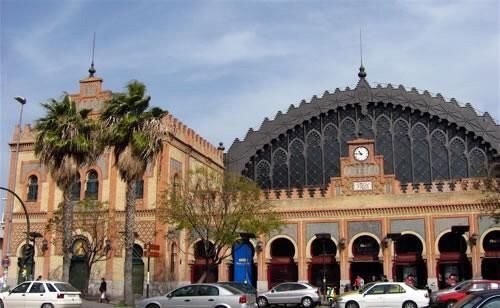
362 73
92 69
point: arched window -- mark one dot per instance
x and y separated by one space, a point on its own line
347 133
420 148
280 169
32 188
92 185
314 159
139 189
383 144
331 148
402 149
297 164
75 189
439 156
263 177
458 161
478 163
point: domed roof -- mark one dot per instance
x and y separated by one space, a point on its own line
363 94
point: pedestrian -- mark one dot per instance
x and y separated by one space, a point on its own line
384 278
452 280
39 278
103 289
410 280
359 282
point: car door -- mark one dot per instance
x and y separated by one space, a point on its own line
35 296
206 296
16 297
295 293
394 296
182 297
279 294
374 298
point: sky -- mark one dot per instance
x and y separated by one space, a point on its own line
221 67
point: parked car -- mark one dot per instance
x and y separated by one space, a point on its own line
207 295
450 296
242 286
384 295
482 299
290 293
44 294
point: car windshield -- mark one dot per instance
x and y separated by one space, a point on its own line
62 287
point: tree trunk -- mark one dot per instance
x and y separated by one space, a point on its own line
67 234
128 292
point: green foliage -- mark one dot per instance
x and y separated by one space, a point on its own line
134 131
66 138
217 208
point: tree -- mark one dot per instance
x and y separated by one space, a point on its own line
215 209
64 140
91 218
491 199
135 133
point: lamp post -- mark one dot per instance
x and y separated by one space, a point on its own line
22 101
324 237
460 230
394 237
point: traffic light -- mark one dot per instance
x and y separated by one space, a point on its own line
29 254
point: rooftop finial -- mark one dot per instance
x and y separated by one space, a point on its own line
92 69
362 73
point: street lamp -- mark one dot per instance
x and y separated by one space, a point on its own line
460 230
324 237
22 101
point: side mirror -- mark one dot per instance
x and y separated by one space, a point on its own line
272 290
169 295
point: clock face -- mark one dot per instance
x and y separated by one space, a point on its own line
360 153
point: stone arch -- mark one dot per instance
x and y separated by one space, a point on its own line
482 237
308 247
358 235
420 237
272 239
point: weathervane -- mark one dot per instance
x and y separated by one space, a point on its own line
92 69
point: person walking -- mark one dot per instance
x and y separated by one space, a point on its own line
103 289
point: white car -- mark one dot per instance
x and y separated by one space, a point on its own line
206 295
384 295
41 294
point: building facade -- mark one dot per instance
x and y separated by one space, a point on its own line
376 181
369 181
183 150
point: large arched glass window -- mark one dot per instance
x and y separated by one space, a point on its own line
75 189
280 169
92 185
314 159
420 149
32 188
439 156
297 164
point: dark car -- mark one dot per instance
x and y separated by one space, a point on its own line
245 287
484 299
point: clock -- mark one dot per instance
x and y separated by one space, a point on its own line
361 153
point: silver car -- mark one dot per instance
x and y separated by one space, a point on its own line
206 295
290 293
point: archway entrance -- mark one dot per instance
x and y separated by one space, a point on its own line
202 264
78 269
452 258
323 264
25 270
365 263
283 267
490 265
137 270
408 260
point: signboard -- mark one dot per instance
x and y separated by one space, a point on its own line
150 246
361 186
151 254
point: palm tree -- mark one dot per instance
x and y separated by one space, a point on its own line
135 133
64 140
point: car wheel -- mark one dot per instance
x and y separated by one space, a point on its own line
307 302
409 304
47 305
1 304
450 304
351 304
152 306
262 302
